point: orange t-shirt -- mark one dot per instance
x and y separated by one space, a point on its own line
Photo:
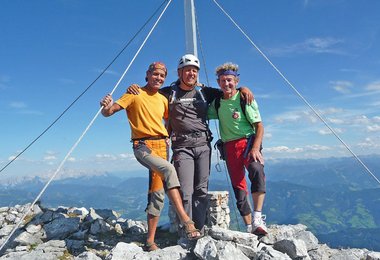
145 112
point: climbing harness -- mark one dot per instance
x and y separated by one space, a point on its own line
174 90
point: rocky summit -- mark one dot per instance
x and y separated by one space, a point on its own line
80 233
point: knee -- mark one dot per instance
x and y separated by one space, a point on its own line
201 191
258 180
170 176
255 169
186 197
169 170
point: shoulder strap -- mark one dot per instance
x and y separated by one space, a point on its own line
242 105
217 105
175 88
199 89
173 96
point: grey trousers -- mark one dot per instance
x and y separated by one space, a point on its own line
193 169
162 176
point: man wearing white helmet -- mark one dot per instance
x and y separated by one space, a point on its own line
190 134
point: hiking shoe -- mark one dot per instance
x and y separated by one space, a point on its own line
249 228
149 247
258 226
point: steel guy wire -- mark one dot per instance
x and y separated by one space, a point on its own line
83 92
82 135
298 93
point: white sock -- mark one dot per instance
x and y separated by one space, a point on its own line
257 214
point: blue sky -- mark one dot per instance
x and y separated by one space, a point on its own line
51 50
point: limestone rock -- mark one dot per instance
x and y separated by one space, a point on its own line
79 233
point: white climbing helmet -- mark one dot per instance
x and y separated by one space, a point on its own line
188 60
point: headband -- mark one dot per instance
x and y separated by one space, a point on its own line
158 66
228 72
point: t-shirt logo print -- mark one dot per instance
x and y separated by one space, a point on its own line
235 114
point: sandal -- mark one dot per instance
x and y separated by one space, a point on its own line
149 247
190 231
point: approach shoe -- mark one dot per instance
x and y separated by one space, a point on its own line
258 226
249 228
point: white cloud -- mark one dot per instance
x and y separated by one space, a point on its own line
106 157
369 143
287 150
338 117
10 158
355 120
126 156
375 104
317 147
336 120
328 131
287 117
49 158
281 149
264 96
311 45
374 86
332 110
343 87
302 115
18 105
113 157
22 108
373 128
361 119
268 135
110 72
320 44
296 116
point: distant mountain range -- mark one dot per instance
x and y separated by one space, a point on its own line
327 172
335 197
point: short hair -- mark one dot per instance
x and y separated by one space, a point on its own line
227 68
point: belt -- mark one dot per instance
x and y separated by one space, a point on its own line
197 134
149 138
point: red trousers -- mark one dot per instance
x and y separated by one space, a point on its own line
237 164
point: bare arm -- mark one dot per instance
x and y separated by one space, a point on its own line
247 95
133 89
109 107
255 153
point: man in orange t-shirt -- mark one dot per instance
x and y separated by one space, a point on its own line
145 113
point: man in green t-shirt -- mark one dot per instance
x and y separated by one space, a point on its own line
242 134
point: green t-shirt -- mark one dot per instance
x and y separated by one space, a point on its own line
233 124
